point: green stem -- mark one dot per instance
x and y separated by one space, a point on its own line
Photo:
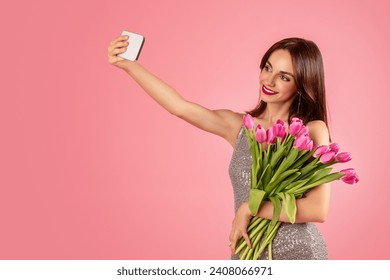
258 229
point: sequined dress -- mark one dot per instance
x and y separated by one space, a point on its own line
301 241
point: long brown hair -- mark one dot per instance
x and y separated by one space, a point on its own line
309 79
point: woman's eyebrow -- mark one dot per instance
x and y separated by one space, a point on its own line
283 72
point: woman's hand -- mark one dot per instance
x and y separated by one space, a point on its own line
118 46
240 226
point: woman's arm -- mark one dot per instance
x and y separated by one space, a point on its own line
311 208
220 122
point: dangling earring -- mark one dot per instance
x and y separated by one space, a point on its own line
299 102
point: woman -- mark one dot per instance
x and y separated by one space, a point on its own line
291 85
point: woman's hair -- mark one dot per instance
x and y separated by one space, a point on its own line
309 79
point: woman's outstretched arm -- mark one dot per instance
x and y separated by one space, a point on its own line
220 122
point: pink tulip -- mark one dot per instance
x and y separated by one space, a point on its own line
260 134
334 147
248 121
343 157
270 135
279 129
303 143
321 150
350 176
304 131
327 157
309 146
295 126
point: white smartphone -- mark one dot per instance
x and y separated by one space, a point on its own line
136 41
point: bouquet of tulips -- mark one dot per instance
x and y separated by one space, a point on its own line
285 171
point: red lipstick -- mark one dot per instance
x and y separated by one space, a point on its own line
267 91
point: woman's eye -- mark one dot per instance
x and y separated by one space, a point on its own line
284 78
267 68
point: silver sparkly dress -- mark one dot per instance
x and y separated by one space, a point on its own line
301 241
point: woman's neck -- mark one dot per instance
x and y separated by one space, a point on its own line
274 112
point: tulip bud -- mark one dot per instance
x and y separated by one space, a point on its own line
343 157
295 126
260 134
270 136
279 129
350 176
327 157
321 150
248 121
302 142
334 147
304 131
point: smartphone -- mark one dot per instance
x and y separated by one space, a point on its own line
136 41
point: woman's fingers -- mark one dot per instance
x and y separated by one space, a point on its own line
117 46
235 236
233 247
118 39
247 240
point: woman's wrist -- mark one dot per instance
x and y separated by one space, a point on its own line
129 66
246 210
265 210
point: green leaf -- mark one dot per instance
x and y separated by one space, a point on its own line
302 159
277 156
296 186
291 157
263 174
265 158
286 183
253 175
286 163
277 209
308 168
326 179
277 180
259 185
266 177
255 198
318 174
290 207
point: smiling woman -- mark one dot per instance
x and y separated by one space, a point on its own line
291 82
294 66
276 81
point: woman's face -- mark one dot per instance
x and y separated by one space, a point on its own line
277 83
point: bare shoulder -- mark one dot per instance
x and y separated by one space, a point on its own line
234 123
318 132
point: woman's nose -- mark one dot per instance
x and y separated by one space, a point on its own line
269 80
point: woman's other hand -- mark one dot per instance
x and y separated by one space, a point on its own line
240 226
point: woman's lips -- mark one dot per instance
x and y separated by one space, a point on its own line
267 91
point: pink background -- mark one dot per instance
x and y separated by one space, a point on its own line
92 168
